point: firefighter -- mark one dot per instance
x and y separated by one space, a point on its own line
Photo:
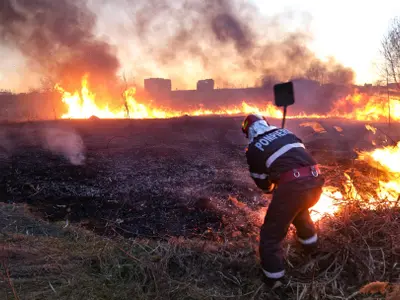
280 165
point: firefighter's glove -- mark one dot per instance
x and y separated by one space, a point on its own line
269 188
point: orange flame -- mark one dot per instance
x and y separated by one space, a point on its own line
82 104
365 107
327 204
386 159
387 193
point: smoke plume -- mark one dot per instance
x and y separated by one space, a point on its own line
57 140
229 41
58 39
64 142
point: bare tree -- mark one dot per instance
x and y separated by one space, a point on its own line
47 84
124 98
391 52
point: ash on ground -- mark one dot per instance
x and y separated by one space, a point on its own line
161 178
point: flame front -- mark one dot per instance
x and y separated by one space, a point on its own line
386 195
364 107
386 159
82 105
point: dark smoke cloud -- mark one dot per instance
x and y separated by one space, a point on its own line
230 40
184 40
58 39
226 28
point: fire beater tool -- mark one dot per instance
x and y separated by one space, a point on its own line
284 97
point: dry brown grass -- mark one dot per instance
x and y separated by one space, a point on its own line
46 261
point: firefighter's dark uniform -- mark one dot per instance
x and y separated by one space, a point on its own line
279 164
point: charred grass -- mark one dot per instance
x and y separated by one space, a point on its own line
168 212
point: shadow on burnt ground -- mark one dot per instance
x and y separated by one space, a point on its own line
156 178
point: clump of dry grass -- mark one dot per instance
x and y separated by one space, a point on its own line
47 261
391 291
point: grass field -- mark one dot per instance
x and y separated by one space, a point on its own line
165 209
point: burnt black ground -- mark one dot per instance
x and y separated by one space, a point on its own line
156 178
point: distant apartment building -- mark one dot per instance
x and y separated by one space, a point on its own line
205 94
310 93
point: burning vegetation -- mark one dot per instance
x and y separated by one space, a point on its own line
60 41
357 106
122 191
168 197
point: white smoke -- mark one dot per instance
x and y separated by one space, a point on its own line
66 143
60 141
